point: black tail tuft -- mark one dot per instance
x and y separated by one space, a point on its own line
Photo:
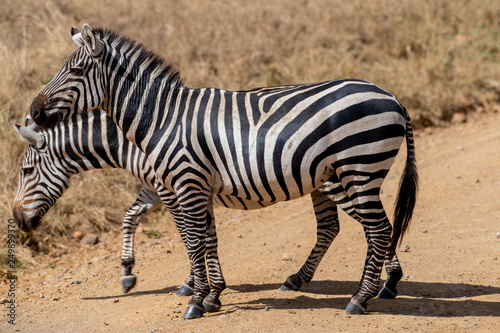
407 194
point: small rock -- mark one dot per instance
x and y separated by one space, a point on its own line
240 236
177 311
468 324
78 235
458 118
498 234
42 296
266 308
90 239
404 248
291 311
55 298
424 231
3 301
287 257
116 300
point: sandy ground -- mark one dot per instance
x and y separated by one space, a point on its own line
451 272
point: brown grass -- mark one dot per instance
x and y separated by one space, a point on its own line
438 57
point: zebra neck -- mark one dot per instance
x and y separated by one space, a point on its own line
145 108
91 141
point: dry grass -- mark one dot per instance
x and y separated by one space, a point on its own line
438 57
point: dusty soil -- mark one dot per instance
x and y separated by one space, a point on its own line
451 270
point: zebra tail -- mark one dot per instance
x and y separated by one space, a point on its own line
407 193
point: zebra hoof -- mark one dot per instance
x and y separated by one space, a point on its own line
387 294
353 308
291 283
193 312
185 290
128 282
212 306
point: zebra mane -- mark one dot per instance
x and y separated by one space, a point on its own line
156 63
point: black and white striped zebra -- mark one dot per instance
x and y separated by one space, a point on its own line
270 145
85 142
90 141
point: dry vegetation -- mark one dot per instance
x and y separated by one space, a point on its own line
438 57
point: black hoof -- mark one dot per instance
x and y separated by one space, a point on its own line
353 308
387 294
128 282
185 290
291 283
193 312
212 306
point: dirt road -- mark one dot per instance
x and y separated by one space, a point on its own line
451 270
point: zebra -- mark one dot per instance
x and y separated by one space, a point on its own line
55 155
269 146
86 142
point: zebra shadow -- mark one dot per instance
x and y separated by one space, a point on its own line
415 298
405 288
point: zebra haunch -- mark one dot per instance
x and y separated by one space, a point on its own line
270 145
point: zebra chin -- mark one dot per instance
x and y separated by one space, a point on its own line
26 224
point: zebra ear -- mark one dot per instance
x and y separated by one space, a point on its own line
94 45
28 135
76 35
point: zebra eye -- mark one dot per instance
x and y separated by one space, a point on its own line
76 71
28 171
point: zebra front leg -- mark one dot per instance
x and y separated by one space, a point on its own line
146 201
217 283
378 237
327 229
394 275
195 209
170 200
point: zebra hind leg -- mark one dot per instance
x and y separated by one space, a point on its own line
364 205
130 223
394 274
378 232
327 229
146 201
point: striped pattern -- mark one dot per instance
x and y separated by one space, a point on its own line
265 145
92 141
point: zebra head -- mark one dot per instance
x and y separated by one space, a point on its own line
40 181
78 86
